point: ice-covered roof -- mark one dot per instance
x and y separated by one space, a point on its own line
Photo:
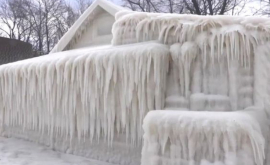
77 26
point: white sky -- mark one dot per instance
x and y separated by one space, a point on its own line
114 1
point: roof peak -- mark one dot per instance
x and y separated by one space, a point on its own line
108 6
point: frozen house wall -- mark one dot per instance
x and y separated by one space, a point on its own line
218 63
205 85
89 102
212 66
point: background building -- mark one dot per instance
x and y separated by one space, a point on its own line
13 50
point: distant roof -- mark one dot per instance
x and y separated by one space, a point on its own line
13 50
110 7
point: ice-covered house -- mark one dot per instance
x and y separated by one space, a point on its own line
171 89
93 28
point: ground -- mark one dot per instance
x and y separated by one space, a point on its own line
19 152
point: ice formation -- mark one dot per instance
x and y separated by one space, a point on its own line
131 27
85 93
195 63
218 63
190 137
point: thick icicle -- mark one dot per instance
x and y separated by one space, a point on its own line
206 137
82 93
131 27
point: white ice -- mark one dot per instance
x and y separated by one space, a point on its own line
195 63
85 96
190 137
218 63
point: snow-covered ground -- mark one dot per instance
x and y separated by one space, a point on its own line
20 152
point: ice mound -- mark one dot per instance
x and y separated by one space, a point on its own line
202 138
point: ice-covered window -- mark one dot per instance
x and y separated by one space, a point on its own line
104 25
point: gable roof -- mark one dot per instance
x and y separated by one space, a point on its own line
67 37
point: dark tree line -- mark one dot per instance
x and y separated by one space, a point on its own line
199 7
39 22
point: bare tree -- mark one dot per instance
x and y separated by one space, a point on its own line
82 5
261 7
14 20
53 20
72 15
39 22
200 7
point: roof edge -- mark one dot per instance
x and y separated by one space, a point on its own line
66 38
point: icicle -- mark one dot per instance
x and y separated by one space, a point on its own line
79 94
220 130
